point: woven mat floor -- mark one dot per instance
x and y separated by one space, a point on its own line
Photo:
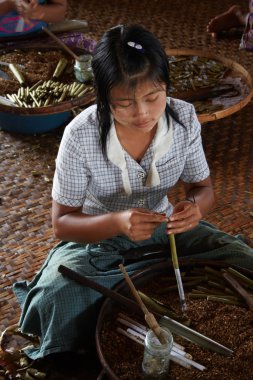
27 162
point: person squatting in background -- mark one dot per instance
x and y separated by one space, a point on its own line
23 20
21 17
232 18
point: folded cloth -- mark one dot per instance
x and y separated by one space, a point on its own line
12 25
247 37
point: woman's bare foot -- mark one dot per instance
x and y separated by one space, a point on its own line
225 21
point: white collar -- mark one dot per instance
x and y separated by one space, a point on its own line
161 144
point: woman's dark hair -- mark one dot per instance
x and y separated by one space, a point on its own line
117 61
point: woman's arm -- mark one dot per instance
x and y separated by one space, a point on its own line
187 213
202 194
54 11
70 224
7 6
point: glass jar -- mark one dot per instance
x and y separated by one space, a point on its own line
82 68
156 357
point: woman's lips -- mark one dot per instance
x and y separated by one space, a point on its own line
142 124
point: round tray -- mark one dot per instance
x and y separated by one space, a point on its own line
39 120
237 69
110 308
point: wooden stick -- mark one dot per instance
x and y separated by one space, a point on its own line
247 281
239 289
65 47
149 317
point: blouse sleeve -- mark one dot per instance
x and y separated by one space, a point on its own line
196 168
71 174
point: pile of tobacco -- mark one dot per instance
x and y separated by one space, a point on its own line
215 310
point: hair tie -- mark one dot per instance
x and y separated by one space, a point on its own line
136 46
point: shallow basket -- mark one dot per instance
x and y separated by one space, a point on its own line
235 67
39 120
140 278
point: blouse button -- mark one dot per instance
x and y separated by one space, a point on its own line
141 175
141 202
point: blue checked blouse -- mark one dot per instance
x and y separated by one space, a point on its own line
83 177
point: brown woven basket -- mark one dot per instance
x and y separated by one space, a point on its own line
237 70
52 108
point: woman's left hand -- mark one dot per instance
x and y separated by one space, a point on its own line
186 215
30 9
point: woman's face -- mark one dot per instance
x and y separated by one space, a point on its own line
138 108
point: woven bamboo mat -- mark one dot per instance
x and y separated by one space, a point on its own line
27 162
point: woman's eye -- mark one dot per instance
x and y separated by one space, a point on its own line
123 105
152 98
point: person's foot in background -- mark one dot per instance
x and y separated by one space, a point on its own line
231 18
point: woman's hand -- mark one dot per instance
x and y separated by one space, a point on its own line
70 224
30 9
52 12
186 215
139 224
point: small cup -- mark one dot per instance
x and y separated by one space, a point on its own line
82 68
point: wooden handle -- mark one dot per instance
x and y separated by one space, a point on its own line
240 290
149 317
65 47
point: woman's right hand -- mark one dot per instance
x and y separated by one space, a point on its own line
70 224
139 224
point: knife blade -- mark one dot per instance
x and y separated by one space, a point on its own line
8 64
194 336
7 102
4 75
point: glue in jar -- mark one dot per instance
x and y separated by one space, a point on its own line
156 359
83 69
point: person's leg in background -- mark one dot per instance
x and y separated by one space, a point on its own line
231 18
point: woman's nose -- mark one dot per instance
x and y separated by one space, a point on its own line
142 108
